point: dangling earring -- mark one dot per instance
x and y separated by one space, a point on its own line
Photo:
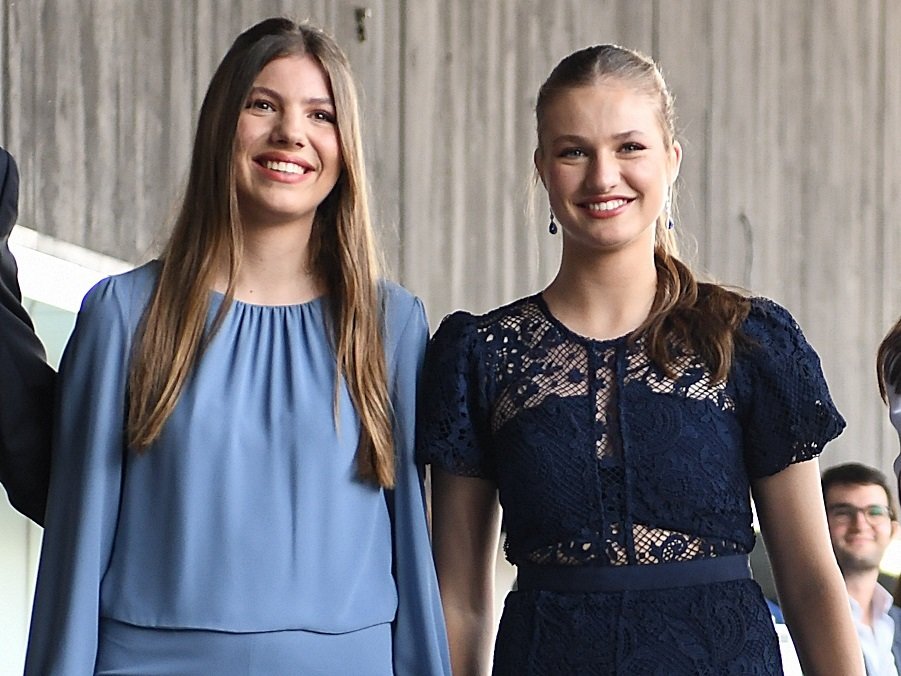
668 207
552 226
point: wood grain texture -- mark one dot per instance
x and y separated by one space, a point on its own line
886 264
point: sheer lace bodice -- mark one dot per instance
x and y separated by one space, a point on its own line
524 400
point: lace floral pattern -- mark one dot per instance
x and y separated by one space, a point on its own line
602 459
716 630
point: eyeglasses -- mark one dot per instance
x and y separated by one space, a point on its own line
874 514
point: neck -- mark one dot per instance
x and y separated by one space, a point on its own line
861 585
275 268
605 295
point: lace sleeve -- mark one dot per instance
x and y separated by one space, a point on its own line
788 413
452 413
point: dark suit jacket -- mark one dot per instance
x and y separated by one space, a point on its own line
895 613
26 381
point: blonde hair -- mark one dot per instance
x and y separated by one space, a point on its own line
706 317
208 230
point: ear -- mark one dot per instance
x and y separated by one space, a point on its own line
896 529
675 161
537 158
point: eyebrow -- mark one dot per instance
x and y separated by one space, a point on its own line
576 138
848 504
627 134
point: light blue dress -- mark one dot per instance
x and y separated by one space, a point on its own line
241 542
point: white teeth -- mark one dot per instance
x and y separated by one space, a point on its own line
606 206
286 167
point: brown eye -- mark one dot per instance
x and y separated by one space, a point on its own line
324 116
260 104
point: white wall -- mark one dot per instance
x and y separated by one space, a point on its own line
54 277
19 547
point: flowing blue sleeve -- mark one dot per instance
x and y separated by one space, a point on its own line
85 479
788 414
420 640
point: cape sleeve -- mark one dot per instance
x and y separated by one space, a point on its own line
788 411
420 640
85 482
453 431
26 380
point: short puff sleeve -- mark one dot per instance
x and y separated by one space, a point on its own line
453 427
787 412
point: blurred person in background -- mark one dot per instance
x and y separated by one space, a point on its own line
862 523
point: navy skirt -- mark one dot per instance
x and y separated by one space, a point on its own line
683 619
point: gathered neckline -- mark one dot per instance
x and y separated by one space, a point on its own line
262 306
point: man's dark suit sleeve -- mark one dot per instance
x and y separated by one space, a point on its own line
895 613
26 381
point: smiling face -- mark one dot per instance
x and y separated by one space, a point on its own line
859 543
605 163
287 151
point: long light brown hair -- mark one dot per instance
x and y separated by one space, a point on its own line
208 230
706 317
888 361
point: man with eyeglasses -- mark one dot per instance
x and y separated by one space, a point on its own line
862 522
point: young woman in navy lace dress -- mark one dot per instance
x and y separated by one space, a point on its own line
622 417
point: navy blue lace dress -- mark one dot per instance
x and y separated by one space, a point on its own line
603 461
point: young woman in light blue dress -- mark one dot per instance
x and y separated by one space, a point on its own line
233 488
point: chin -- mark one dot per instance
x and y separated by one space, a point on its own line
859 564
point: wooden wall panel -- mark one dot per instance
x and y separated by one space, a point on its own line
376 61
4 67
98 133
832 201
887 262
687 71
450 155
839 205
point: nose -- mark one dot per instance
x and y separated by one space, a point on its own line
860 521
603 172
290 128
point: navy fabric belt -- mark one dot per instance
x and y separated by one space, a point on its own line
532 577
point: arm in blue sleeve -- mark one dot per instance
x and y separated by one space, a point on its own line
85 483
420 640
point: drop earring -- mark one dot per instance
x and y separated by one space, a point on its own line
668 208
552 226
